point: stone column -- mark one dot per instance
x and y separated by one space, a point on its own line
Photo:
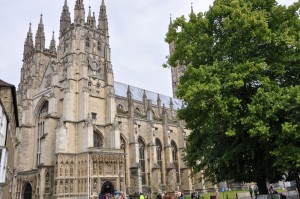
135 168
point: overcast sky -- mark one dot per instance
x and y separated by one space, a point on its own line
137 30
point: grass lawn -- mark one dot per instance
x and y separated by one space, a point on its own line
226 195
230 194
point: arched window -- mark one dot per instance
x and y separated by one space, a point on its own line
97 140
175 159
99 46
41 131
142 160
28 191
87 42
47 183
159 158
123 147
90 85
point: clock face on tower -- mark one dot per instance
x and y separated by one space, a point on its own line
95 66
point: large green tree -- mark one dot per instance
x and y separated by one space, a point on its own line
241 89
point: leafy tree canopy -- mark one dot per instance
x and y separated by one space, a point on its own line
241 89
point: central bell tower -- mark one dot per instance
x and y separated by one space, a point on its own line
84 54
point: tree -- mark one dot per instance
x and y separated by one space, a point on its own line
241 89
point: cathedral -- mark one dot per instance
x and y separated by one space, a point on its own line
82 133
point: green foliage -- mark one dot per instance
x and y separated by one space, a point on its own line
241 88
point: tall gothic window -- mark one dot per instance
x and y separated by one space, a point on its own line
123 147
99 45
142 160
41 131
159 158
87 42
175 159
97 140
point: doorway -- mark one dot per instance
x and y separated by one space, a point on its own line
28 191
107 187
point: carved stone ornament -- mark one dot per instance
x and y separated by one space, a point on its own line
61 123
88 120
48 80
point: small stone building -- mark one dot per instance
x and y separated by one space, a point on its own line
8 137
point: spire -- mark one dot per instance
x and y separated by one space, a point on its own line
158 100
65 20
79 13
192 10
94 19
91 19
144 96
171 103
129 95
28 46
41 19
171 22
102 21
128 90
158 103
52 47
40 36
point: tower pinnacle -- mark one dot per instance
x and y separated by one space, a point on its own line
40 36
79 13
52 47
91 19
65 20
102 21
28 46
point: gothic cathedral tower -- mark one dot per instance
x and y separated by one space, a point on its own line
66 99
81 133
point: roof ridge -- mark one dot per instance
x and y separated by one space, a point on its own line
5 84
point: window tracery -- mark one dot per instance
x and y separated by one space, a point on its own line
41 131
175 159
142 160
98 142
159 157
87 42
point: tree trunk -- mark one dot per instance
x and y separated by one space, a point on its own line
262 186
298 184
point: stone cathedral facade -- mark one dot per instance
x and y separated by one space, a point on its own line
82 133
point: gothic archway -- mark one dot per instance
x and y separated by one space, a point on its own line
28 191
107 187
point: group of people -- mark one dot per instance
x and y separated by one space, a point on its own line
195 195
253 190
111 196
180 195
271 190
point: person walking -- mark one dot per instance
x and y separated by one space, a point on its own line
250 191
159 196
255 191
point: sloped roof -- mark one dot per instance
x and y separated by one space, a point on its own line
137 94
5 84
14 95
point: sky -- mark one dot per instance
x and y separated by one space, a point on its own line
137 30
